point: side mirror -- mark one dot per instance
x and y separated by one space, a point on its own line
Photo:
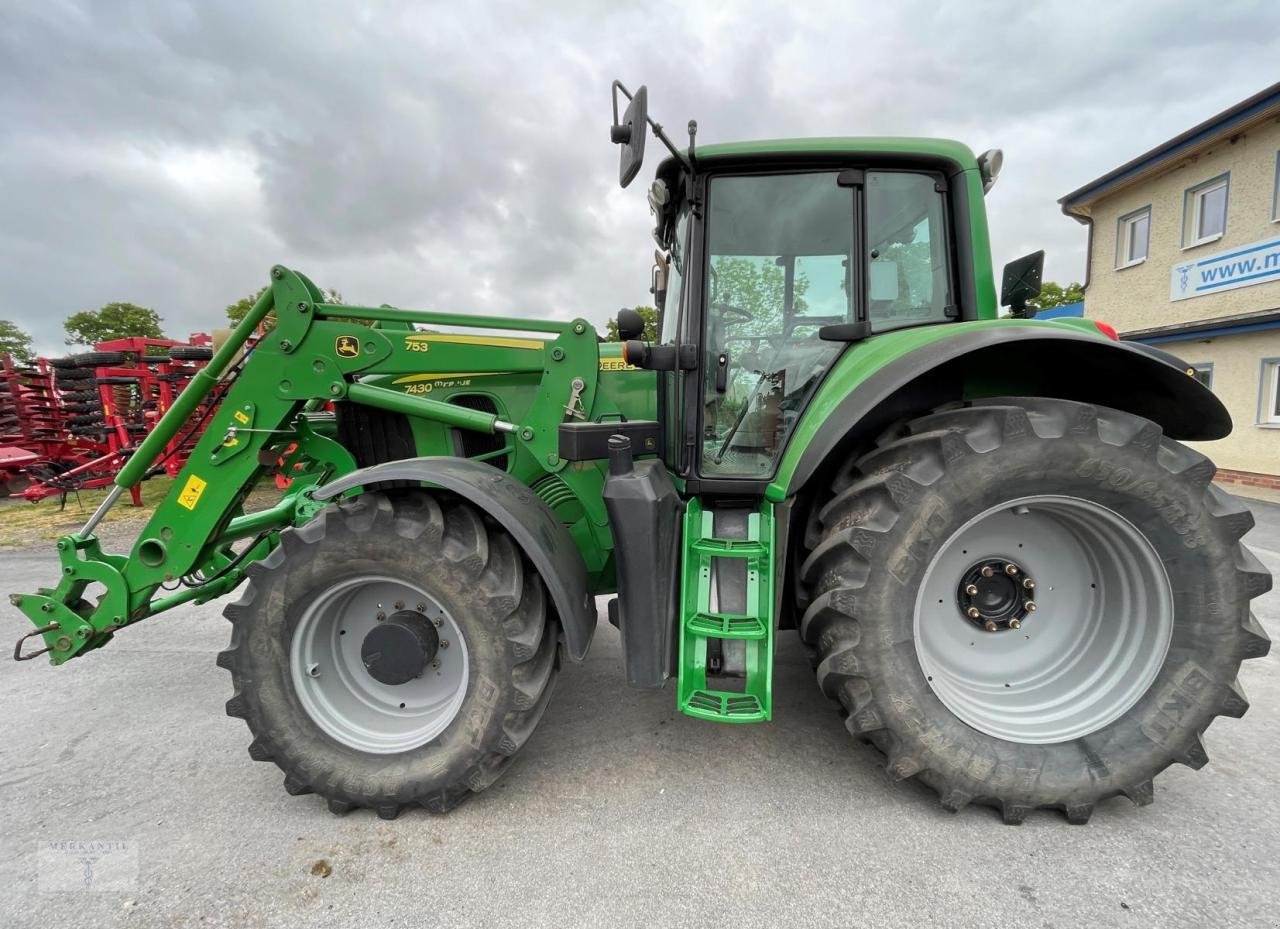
630 325
630 132
1022 283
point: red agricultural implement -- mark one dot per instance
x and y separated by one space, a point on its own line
69 424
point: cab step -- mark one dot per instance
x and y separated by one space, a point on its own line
727 610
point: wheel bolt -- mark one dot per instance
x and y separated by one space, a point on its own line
1029 583
972 612
989 625
1015 624
381 616
987 571
971 590
1030 606
444 643
1011 569
399 604
422 607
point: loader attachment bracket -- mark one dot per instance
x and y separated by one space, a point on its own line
68 623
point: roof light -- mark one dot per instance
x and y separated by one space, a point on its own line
989 163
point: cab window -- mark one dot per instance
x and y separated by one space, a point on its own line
779 254
908 267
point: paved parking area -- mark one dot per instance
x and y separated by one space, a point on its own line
620 812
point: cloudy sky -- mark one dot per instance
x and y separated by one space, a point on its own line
456 156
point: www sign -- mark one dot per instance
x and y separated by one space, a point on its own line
1239 267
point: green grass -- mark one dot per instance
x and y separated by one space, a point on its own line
23 523
29 525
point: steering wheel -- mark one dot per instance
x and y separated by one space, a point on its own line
733 314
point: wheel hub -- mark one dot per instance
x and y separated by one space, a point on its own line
996 594
1101 584
398 649
369 671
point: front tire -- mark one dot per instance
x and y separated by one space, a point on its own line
319 644
1141 593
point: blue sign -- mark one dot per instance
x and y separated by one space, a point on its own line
1240 267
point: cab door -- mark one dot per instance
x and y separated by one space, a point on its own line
781 263
787 255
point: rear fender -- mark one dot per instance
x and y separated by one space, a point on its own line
984 360
532 524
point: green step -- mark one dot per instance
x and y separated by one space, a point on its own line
699 623
723 706
727 626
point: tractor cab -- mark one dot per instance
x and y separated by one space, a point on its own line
775 257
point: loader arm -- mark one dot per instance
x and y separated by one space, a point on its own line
270 398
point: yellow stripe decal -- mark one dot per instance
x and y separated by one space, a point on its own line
492 340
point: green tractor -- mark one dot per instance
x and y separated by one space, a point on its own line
1011 576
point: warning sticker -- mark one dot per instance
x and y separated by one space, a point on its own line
190 495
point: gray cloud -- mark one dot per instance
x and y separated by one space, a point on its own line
456 157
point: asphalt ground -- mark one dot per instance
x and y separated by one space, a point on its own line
619 812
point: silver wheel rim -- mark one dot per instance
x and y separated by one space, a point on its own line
1098 636
340 695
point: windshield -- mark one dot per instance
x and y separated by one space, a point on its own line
670 309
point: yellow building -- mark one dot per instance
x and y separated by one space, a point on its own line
1184 254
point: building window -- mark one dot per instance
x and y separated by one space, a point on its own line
1270 406
1202 372
1204 212
1275 193
1133 232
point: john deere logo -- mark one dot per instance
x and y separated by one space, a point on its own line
346 346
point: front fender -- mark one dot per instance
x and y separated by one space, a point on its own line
907 372
521 512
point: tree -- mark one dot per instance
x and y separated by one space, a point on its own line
757 286
240 309
650 316
1054 294
113 321
15 342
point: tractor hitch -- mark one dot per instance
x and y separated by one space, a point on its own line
65 632
17 648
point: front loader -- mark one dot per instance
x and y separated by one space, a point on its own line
1012 577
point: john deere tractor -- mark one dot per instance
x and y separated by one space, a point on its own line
1012 577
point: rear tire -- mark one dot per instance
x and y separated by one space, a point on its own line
874 615
350 748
